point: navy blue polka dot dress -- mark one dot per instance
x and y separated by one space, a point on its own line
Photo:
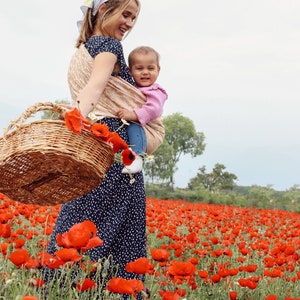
116 206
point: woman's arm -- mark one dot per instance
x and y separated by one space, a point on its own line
103 67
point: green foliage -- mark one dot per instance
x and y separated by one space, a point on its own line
253 196
259 196
217 180
181 138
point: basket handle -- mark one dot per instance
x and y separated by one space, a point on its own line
30 111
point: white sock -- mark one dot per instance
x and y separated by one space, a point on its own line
135 167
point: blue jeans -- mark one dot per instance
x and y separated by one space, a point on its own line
137 138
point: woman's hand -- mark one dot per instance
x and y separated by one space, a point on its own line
67 107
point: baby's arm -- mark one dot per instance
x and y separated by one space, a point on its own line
156 97
127 114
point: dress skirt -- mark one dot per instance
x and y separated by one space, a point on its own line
118 209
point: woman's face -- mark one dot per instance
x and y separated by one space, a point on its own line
124 22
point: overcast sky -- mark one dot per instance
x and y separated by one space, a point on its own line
232 67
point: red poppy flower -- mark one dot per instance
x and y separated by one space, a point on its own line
178 268
70 254
140 266
202 274
168 295
192 238
44 258
215 278
30 298
62 240
194 260
117 142
233 272
233 295
128 156
3 248
289 250
19 243
47 260
180 292
248 282
31 263
125 286
250 268
271 297
274 273
78 235
5 230
160 255
19 257
87 284
100 131
92 243
244 251
75 121
214 240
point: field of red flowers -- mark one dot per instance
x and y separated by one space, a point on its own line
195 251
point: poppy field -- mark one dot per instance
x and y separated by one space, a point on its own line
195 251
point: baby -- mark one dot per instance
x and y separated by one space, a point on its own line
144 67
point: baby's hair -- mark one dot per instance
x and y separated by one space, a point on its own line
142 50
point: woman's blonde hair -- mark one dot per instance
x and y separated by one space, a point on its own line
113 10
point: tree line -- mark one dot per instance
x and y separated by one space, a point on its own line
218 186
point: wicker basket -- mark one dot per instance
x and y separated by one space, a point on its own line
45 163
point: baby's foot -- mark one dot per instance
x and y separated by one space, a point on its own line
135 167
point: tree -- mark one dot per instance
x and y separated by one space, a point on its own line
181 138
217 180
291 198
261 196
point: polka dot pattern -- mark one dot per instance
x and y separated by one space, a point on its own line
117 208
99 44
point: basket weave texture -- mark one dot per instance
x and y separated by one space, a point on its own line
43 162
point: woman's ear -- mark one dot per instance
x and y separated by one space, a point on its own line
102 8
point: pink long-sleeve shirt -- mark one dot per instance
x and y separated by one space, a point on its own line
153 108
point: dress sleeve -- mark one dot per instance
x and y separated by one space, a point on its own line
99 44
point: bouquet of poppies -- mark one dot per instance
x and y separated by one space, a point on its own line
76 122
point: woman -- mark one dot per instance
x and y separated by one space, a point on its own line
117 207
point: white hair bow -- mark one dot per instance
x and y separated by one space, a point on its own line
94 4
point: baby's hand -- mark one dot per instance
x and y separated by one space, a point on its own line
127 114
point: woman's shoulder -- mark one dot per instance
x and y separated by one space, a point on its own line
98 44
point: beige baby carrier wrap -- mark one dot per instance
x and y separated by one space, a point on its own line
117 94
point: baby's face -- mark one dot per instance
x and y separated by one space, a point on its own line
145 69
